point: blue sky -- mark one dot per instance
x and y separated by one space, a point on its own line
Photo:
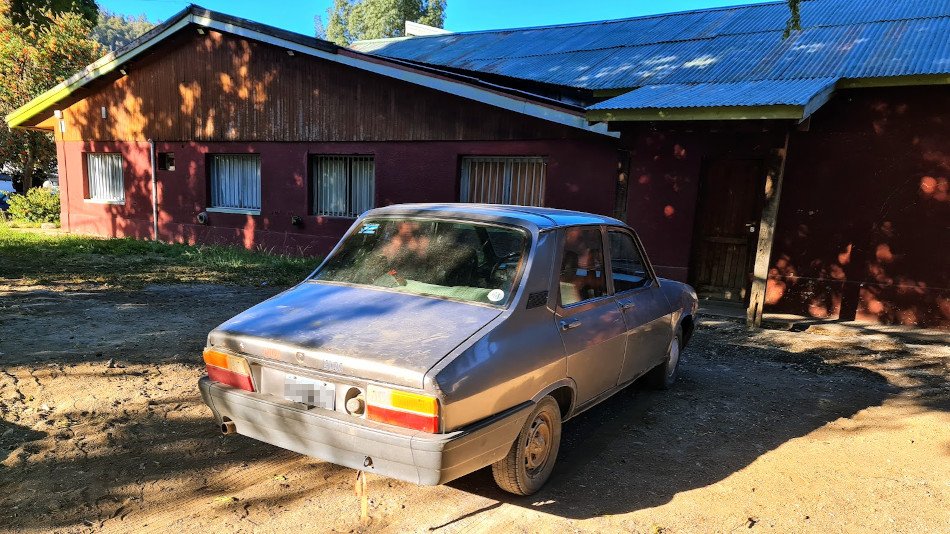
461 15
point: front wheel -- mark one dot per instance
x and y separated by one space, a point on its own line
664 375
530 461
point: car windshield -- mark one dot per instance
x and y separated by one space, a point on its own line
464 261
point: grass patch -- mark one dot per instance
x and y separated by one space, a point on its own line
36 257
20 224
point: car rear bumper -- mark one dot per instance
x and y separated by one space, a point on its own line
413 456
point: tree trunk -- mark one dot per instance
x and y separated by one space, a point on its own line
28 171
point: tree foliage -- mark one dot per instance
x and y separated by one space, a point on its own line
352 20
37 12
114 31
33 58
794 18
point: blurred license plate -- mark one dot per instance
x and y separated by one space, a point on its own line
309 391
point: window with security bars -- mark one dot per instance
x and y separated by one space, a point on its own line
236 181
503 180
343 186
104 177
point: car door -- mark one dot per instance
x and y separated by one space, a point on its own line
589 319
645 308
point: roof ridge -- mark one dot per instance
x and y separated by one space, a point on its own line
639 17
586 23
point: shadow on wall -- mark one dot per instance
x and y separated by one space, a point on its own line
863 232
885 276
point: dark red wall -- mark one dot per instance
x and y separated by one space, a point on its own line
666 163
581 174
864 222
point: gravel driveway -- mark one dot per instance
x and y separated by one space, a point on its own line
826 430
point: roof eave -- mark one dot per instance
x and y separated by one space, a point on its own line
717 113
763 112
894 81
104 65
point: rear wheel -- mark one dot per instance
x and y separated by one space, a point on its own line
530 461
664 375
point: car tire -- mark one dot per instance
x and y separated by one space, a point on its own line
531 459
663 376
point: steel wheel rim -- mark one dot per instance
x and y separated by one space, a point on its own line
674 357
537 447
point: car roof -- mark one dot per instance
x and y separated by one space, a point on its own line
542 218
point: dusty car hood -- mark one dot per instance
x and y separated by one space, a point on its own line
366 333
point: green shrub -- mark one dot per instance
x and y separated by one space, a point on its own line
38 205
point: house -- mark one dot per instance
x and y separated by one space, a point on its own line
806 175
271 139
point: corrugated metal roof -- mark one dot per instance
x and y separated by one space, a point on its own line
757 93
839 39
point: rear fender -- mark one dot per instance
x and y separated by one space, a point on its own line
564 383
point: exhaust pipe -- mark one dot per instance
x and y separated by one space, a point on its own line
227 427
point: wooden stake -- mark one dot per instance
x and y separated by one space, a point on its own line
763 252
361 492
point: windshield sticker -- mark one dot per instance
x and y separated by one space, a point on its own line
496 295
369 228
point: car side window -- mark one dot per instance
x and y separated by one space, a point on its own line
629 271
582 268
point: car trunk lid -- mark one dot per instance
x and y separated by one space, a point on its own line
359 332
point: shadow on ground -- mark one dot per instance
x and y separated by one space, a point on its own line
735 401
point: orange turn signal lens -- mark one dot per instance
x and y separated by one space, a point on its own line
228 369
402 408
235 364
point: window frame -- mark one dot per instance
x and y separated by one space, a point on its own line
314 172
507 176
87 193
583 305
209 207
652 280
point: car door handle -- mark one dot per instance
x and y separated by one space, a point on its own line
568 324
627 306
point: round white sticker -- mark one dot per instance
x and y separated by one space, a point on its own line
496 295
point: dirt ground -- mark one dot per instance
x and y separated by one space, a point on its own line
825 430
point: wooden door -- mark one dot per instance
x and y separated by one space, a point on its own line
727 228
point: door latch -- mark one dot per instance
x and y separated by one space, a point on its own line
568 324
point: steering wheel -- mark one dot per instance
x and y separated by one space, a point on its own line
503 261
377 269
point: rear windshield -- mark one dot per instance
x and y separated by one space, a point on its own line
464 261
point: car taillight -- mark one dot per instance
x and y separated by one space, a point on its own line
227 369
401 408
